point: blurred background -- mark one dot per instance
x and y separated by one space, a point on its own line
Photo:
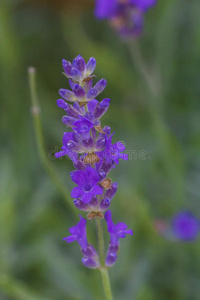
35 264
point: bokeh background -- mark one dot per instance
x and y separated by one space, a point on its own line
35 264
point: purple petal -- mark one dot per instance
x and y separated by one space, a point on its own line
108 218
120 146
79 63
111 259
86 198
90 263
78 91
79 177
91 65
97 190
92 175
73 146
91 94
62 104
76 75
67 94
67 67
70 239
105 8
76 192
100 144
93 202
81 205
105 203
92 104
60 154
101 108
83 125
68 120
111 192
90 251
144 4
100 86
87 85
71 111
67 136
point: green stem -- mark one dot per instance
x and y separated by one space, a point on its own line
106 283
40 140
103 269
100 241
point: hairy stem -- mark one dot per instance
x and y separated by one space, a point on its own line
103 269
35 109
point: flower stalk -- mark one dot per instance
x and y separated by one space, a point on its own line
100 242
106 283
104 271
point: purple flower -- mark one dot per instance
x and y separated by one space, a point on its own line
80 81
116 232
91 65
125 16
144 5
83 125
109 194
87 184
185 226
67 143
114 152
78 233
106 8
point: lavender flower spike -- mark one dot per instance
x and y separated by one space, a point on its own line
89 146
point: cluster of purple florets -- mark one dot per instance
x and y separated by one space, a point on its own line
89 146
126 16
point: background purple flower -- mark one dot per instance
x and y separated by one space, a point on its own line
185 226
125 16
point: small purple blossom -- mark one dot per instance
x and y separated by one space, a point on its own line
185 226
87 184
114 152
116 232
82 125
125 16
78 233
